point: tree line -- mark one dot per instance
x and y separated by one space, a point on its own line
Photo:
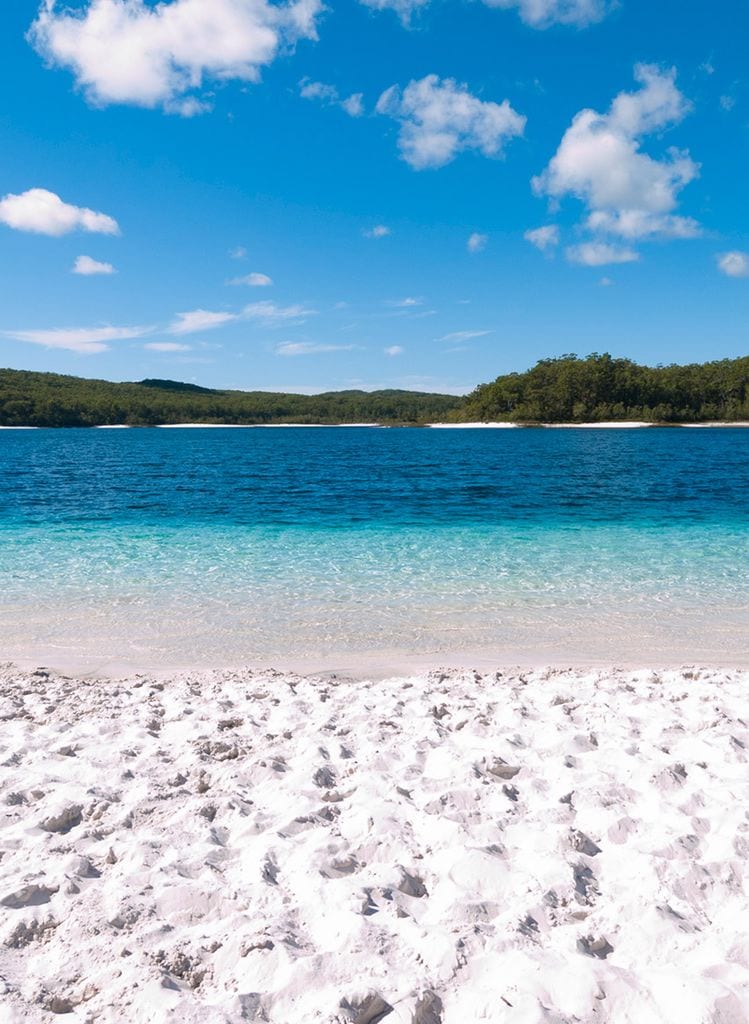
567 389
600 388
53 400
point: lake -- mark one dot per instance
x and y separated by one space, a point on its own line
338 548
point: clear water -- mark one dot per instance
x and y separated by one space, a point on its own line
329 546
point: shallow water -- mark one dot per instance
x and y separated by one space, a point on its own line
223 546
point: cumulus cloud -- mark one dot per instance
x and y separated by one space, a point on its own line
44 213
309 348
254 280
476 242
83 340
329 95
544 238
378 231
600 161
199 320
130 51
167 346
600 254
394 350
354 104
88 267
543 13
440 118
734 264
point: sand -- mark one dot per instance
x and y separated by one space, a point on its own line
548 846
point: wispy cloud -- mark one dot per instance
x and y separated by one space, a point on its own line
463 335
167 346
394 350
544 238
44 213
476 242
88 267
378 231
600 254
253 280
269 313
83 340
199 320
309 348
539 14
408 303
353 105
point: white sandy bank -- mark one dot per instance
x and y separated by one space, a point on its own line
446 849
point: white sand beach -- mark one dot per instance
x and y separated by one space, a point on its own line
450 848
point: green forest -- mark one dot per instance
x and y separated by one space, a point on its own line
51 400
600 388
567 389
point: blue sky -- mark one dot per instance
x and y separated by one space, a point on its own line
386 166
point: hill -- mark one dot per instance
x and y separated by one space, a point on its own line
53 400
601 388
564 390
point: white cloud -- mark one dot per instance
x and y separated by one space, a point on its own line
408 303
199 320
254 280
600 161
405 9
537 13
270 313
329 95
440 118
476 242
83 340
543 13
354 104
87 266
463 335
734 264
309 348
394 350
167 346
130 51
546 237
44 213
238 253
600 254
634 224
605 282
266 312
378 231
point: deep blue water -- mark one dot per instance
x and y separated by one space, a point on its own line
246 544
335 477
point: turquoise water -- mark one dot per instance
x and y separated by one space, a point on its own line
224 546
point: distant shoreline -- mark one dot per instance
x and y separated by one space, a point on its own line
611 425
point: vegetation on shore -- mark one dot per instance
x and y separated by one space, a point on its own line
600 388
568 389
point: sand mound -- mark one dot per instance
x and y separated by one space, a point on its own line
540 847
